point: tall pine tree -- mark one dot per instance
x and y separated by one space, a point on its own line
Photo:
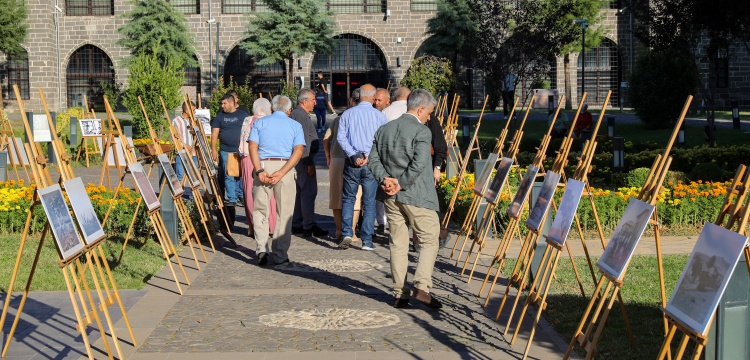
12 26
288 28
156 24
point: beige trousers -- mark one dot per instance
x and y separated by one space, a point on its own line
426 226
284 192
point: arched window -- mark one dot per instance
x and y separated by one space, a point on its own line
17 68
193 77
355 61
242 69
88 68
603 73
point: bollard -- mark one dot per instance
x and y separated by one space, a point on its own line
3 166
550 105
465 131
611 126
73 130
735 115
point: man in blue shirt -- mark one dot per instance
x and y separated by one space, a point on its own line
276 144
357 129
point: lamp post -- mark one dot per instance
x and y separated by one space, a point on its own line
584 24
58 14
209 22
618 152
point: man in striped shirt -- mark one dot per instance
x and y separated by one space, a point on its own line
182 124
357 129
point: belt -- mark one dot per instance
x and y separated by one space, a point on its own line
274 159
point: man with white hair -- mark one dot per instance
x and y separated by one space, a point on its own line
276 144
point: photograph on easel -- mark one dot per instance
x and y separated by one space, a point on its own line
68 241
542 202
705 277
19 158
144 186
204 117
86 217
522 194
175 186
40 128
193 177
90 127
118 151
492 195
560 228
204 148
480 183
625 238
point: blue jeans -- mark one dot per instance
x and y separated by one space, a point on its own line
232 184
179 169
320 114
353 177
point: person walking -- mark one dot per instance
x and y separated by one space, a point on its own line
275 145
400 162
357 129
226 129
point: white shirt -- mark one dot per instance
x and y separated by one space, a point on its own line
395 110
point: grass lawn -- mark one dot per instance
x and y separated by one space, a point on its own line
140 262
642 303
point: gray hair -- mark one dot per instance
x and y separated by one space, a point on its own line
419 98
356 93
262 107
369 93
281 103
401 93
304 94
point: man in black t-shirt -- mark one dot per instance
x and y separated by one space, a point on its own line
226 129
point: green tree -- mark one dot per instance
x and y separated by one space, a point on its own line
244 93
151 78
156 24
431 73
12 26
289 28
454 33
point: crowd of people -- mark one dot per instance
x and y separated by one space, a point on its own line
384 160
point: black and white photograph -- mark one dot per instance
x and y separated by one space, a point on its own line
68 241
117 150
144 186
85 214
90 127
519 200
175 186
40 128
625 238
492 195
705 277
480 182
189 167
566 212
542 203
207 154
204 117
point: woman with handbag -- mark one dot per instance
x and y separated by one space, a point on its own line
261 108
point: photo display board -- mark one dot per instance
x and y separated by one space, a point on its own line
192 175
144 186
67 240
90 127
566 212
543 201
480 182
492 195
522 194
204 117
88 222
41 129
705 277
628 232
174 183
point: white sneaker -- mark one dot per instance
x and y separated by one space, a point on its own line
368 248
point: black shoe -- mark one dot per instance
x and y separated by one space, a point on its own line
297 230
230 203
380 230
401 303
262 259
315 231
286 261
427 299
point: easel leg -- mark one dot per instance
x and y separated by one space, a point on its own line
667 343
542 305
591 347
85 288
102 303
115 292
81 325
168 244
165 252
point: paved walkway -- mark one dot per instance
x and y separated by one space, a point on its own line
327 304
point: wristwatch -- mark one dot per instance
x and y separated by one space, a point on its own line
257 172
437 167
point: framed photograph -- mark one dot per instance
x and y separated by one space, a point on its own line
86 217
68 241
189 166
40 128
480 182
90 127
522 194
144 186
628 232
705 277
492 194
175 186
203 147
542 203
204 117
119 151
20 158
566 212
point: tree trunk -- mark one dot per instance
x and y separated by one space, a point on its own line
566 71
290 70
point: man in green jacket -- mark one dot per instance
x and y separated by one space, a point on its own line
401 163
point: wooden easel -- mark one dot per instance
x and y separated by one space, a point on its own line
85 140
649 194
440 108
546 270
72 263
736 217
197 198
110 144
8 144
468 224
451 131
156 221
462 170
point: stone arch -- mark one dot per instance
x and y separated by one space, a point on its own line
242 69
86 69
603 73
